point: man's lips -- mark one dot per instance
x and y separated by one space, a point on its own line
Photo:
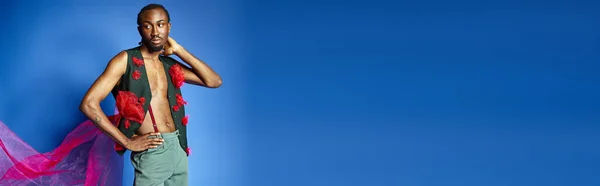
155 41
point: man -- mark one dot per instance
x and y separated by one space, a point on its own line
146 85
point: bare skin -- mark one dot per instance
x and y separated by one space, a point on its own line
154 30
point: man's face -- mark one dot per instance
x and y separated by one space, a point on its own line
154 29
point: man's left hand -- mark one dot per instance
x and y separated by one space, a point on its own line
172 47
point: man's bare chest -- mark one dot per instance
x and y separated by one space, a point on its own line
157 78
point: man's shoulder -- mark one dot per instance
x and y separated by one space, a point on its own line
125 54
132 49
121 59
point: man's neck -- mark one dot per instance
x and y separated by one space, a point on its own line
146 53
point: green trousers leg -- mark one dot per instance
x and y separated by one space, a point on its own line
165 165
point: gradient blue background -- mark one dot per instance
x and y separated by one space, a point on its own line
341 92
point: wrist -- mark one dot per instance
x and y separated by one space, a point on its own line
178 51
126 143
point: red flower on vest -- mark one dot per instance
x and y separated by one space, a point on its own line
189 151
180 100
180 103
177 76
129 107
137 61
184 120
127 124
136 74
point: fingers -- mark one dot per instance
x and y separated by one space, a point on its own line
167 51
156 140
152 134
154 143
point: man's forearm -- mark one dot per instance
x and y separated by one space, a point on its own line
98 117
201 69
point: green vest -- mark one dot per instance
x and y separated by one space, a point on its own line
133 109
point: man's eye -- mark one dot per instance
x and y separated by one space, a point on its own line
160 25
148 26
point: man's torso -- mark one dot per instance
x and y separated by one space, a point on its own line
160 105
157 81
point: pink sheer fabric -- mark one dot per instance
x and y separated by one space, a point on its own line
85 157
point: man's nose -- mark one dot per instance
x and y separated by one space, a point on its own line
154 31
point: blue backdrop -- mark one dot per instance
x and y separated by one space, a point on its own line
55 50
346 93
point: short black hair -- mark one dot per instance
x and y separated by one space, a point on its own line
152 7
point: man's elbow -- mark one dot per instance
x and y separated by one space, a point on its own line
215 84
86 106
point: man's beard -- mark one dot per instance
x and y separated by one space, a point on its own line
154 48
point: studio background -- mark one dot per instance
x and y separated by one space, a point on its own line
427 93
54 50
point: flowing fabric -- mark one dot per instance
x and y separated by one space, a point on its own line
85 157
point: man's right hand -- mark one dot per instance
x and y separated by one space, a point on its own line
143 142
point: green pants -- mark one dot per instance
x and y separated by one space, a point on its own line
165 165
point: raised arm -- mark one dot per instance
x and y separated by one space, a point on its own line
199 73
90 105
